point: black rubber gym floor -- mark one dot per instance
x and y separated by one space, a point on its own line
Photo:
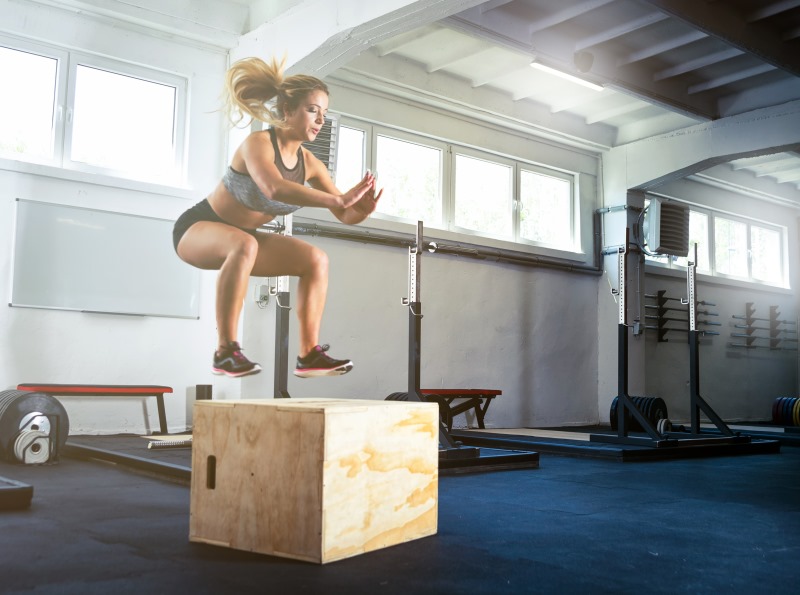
574 525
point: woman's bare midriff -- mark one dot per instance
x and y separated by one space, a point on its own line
233 212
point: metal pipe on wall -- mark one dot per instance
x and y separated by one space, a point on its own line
457 249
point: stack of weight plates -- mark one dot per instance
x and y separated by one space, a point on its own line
653 408
786 411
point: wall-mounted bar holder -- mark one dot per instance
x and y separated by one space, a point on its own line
666 313
777 336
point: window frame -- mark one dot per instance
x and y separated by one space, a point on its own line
409 137
513 199
670 262
450 150
67 62
61 56
574 207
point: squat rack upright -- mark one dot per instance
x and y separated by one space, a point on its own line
663 437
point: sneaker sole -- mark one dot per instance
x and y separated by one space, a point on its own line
318 372
219 372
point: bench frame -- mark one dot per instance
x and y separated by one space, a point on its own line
106 390
477 399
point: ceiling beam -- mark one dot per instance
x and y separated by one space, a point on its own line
565 14
620 110
558 51
452 55
656 160
770 10
336 32
662 47
730 78
697 63
724 23
405 39
492 4
620 30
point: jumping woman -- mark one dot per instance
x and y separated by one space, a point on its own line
270 174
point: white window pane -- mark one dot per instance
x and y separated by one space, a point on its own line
546 211
27 105
483 196
730 247
349 158
766 247
123 123
411 176
698 234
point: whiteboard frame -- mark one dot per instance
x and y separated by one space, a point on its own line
181 283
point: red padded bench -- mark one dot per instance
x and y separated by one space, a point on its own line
477 399
106 390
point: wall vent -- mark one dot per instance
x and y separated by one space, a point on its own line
666 227
324 146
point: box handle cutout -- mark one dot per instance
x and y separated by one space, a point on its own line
211 472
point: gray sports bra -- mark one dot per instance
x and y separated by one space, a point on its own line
245 191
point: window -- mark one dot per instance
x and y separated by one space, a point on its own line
93 114
459 189
27 116
417 170
698 235
483 196
545 209
733 247
730 247
350 157
765 248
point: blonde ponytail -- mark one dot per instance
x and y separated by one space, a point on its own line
251 83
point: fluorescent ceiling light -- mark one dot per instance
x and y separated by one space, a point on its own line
566 76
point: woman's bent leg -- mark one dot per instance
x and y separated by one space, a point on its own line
210 245
282 255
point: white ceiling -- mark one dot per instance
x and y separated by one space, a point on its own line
663 65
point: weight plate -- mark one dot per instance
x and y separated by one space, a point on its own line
659 410
782 411
648 413
16 405
630 420
797 412
787 404
792 411
775 410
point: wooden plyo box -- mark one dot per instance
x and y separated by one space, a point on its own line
314 479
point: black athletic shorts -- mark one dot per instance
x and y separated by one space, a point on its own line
202 211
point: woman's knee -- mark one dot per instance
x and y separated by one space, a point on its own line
243 250
317 262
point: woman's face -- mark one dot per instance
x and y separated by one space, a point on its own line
306 121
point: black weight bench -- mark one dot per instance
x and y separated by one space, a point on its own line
106 390
453 401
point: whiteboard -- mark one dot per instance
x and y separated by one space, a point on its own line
75 258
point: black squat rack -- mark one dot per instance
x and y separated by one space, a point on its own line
661 436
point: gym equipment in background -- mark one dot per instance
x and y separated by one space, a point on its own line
631 409
33 427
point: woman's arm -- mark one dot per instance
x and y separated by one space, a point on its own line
259 162
358 211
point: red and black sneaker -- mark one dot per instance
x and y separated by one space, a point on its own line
231 361
319 363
